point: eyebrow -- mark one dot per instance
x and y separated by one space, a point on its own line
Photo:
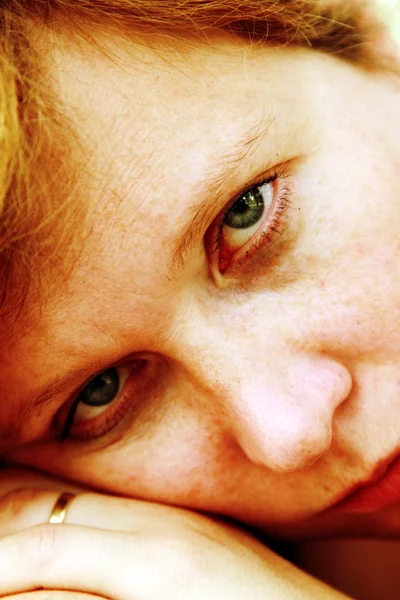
223 176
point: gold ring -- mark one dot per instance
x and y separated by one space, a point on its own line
59 512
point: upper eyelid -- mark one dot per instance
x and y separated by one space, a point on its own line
59 392
46 398
142 410
214 192
266 178
72 396
135 363
223 199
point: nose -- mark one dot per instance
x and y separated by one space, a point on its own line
279 411
284 420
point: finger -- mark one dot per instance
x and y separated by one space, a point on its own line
24 508
84 560
27 497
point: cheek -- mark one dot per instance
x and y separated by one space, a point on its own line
354 318
347 295
181 460
364 304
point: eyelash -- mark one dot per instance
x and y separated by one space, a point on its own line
107 421
276 221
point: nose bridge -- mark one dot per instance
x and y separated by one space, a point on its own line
209 350
277 404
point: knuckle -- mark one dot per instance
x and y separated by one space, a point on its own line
39 547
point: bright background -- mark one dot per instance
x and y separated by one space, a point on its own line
391 11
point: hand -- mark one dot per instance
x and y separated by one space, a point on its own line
130 550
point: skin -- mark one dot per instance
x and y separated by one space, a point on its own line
271 389
158 551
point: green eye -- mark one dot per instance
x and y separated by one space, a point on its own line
103 402
246 211
102 390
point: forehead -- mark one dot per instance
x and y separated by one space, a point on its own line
139 109
146 99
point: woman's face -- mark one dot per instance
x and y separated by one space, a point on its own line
230 328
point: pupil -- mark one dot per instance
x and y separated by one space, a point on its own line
246 211
102 390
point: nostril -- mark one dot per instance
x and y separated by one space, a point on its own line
302 450
289 449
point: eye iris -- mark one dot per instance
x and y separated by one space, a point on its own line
102 390
246 211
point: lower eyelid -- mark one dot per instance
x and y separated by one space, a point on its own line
104 423
276 217
124 373
109 415
137 411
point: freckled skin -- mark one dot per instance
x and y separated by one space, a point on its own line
273 388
